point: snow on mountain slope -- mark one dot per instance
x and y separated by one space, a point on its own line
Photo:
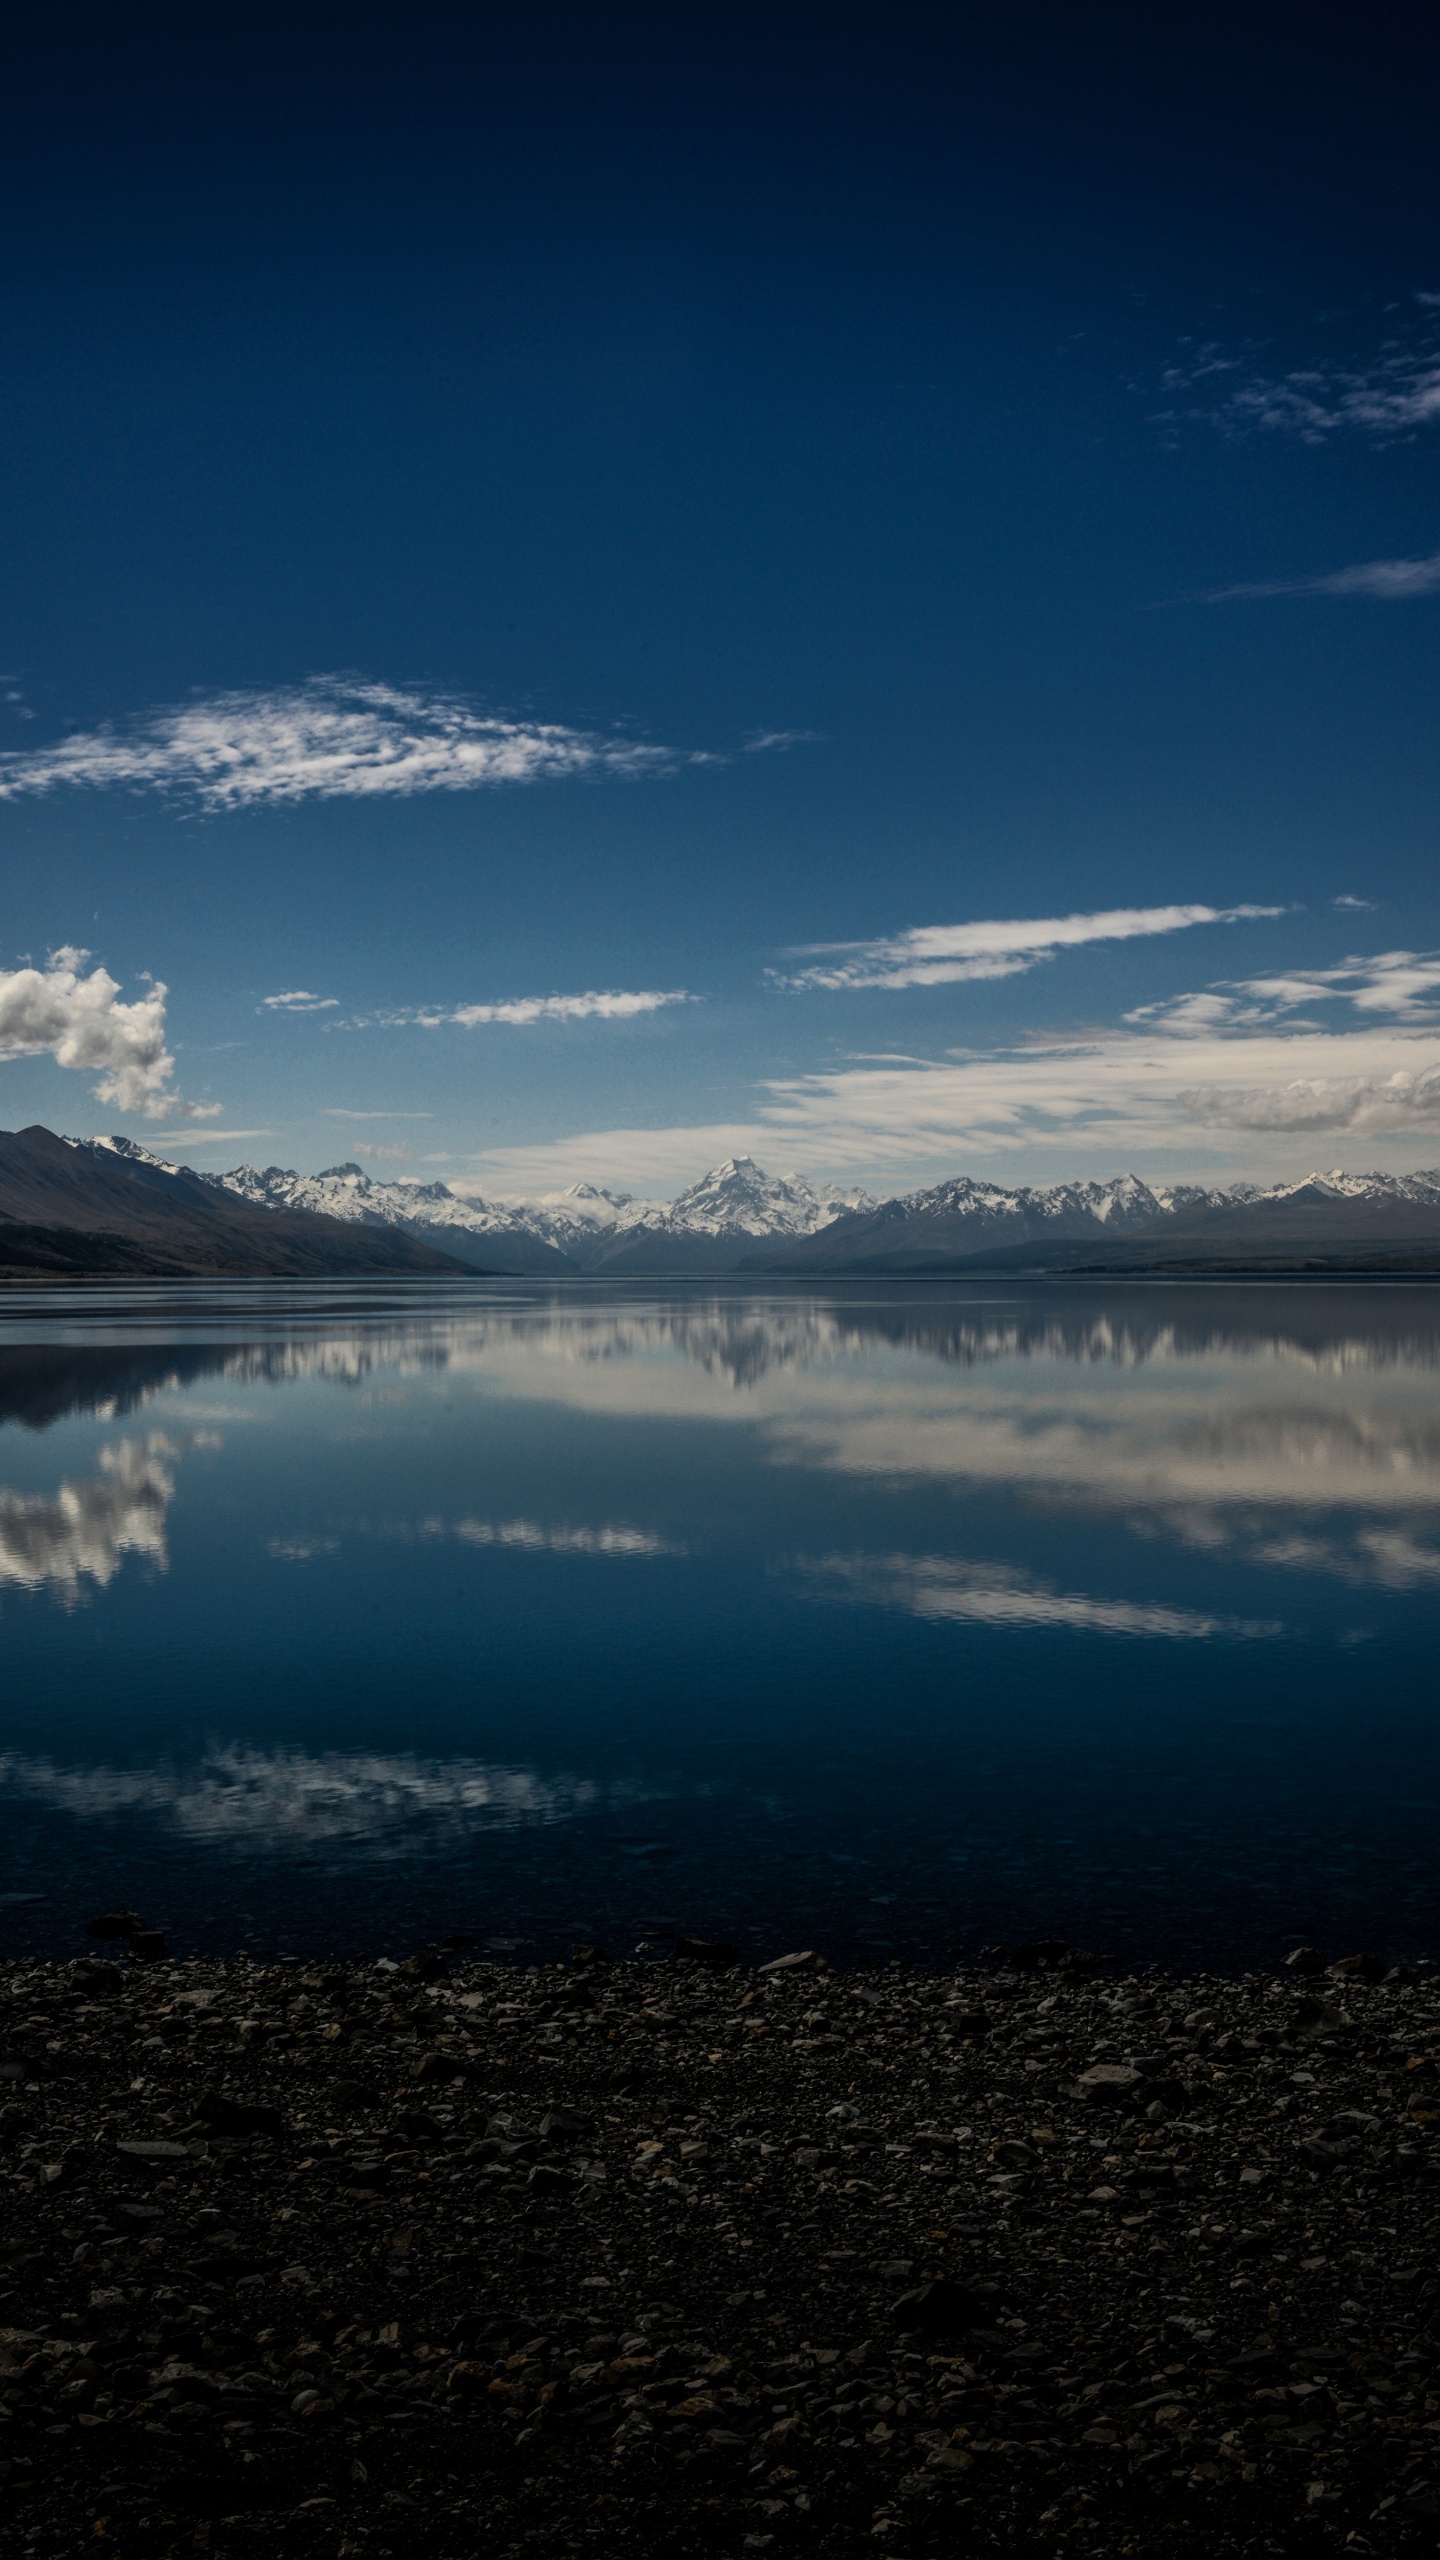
720 1220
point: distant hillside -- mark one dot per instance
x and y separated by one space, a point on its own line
69 1211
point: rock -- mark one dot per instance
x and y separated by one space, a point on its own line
114 1924
424 1967
420 2126
789 1964
147 1946
238 2115
438 2067
943 2308
1112 2081
712 1951
1305 1960
1359 1969
150 2152
98 1981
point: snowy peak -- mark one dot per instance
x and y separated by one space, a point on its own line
737 1196
723 1219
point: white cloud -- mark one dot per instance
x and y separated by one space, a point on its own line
297 1000
943 954
605 1005
334 737
1100 1102
1401 983
336 1111
1394 393
1388 581
74 1015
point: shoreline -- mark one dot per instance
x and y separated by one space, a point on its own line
697 2256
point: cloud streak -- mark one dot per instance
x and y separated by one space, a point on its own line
297 1000
75 1015
1385 581
614 1004
946 954
334 737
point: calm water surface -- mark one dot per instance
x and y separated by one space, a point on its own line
880 1619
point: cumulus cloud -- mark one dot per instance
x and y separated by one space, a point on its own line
1388 581
74 1014
297 1000
943 954
334 737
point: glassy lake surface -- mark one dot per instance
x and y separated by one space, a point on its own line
880 1619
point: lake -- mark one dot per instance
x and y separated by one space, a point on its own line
883 1619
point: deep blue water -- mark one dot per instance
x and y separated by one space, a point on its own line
883 1619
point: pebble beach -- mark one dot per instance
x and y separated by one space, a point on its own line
438 2255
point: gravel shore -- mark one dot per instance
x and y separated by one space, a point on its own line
444 2257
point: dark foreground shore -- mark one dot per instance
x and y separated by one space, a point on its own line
381 2261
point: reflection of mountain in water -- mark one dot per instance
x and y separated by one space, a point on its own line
738 1335
62 1541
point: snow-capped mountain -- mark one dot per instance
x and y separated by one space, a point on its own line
737 1216
1130 1223
732 1208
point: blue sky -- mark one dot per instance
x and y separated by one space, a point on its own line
858 585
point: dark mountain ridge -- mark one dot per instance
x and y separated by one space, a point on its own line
69 1212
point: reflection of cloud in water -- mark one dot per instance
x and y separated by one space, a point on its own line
1394 1558
371 1804
62 1541
1221 1415
531 1538
1000 1595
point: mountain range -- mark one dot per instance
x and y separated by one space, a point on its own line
739 1219
71 1209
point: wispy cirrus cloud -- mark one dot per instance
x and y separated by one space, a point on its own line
1385 581
1391 394
613 1004
297 1000
946 954
1403 984
74 1014
333 737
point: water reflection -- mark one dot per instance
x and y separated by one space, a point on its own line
949 1588
80 1534
871 1579
291 1803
